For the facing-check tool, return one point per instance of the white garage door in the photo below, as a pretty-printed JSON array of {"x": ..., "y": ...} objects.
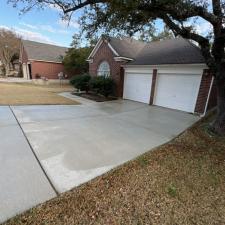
[
  {"x": 177, "y": 91},
  {"x": 137, "y": 87}
]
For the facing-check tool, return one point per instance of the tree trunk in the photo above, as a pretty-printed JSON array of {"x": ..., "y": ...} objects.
[
  {"x": 218, "y": 125},
  {"x": 7, "y": 70}
]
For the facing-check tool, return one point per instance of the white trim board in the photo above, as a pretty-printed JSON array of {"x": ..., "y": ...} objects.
[
  {"x": 113, "y": 50},
  {"x": 95, "y": 49},
  {"x": 39, "y": 60},
  {"x": 182, "y": 69},
  {"x": 121, "y": 58},
  {"x": 97, "y": 46},
  {"x": 209, "y": 93}
]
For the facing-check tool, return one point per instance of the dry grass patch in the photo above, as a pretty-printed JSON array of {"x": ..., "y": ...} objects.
[
  {"x": 182, "y": 182},
  {"x": 31, "y": 94}
]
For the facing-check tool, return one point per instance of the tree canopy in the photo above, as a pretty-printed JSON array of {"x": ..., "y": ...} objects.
[
  {"x": 9, "y": 48},
  {"x": 132, "y": 16},
  {"x": 75, "y": 60}
]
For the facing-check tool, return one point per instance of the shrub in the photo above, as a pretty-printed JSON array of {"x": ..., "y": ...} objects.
[
  {"x": 103, "y": 85},
  {"x": 96, "y": 84},
  {"x": 37, "y": 76},
  {"x": 81, "y": 82}
]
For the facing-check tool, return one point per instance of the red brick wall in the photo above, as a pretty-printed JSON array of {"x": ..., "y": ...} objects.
[
  {"x": 46, "y": 69},
  {"x": 213, "y": 97},
  {"x": 23, "y": 55},
  {"x": 203, "y": 92},
  {"x": 104, "y": 53}
]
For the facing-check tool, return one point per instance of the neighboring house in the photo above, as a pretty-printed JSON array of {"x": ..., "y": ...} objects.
[
  {"x": 16, "y": 65},
  {"x": 1, "y": 69},
  {"x": 41, "y": 60},
  {"x": 170, "y": 73}
]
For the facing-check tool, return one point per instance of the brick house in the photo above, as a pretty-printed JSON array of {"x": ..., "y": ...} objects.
[
  {"x": 41, "y": 60},
  {"x": 170, "y": 73}
]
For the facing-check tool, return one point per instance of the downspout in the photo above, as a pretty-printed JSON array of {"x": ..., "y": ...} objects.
[{"x": 207, "y": 101}]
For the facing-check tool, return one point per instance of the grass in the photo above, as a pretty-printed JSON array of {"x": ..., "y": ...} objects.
[
  {"x": 31, "y": 94},
  {"x": 182, "y": 182}
]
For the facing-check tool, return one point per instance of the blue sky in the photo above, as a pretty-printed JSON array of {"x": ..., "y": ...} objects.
[
  {"x": 46, "y": 25},
  {"x": 38, "y": 25}
]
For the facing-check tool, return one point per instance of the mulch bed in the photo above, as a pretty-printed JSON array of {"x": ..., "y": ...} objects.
[
  {"x": 95, "y": 97},
  {"x": 182, "y": 182}
]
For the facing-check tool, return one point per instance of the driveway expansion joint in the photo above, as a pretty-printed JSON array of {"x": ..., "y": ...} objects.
[{"x": 31, "y": 148}]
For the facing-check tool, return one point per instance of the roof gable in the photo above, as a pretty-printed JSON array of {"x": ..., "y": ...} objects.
[
  {"x": 123, "y": 48},
  {"x": 97, "y": 46},
  {"x": 44, "y": 52},
  {"x": 170, "y": 51},
  {"x": 127, "y": 47}
]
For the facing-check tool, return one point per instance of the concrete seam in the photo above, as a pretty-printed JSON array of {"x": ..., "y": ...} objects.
[{"x": 51, "y": 184}]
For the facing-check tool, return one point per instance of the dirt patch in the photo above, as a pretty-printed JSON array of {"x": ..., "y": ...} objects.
[
  {"x": 31, "y": 94},
  {"x": 95, "y": 97},
  {"x": 182, "y": 182}
]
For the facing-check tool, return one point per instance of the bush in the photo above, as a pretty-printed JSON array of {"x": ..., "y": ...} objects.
[
  {"x": 103, "y": 85},
  {"x": 37, "y": 76},
  {"x": 81, "y": 82},
  {"x": 96, "y": 84}
]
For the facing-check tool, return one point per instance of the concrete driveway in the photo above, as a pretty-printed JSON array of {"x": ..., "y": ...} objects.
[
  {"x": 23, "y": 184},
  {"x": 75, "y": 144}
]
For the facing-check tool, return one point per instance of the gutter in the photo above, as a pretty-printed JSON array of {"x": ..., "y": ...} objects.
[
  {"x": 164, "y": 65},
  {"x": 39, "y": 60},
  {"x": 207, "y": 101}
]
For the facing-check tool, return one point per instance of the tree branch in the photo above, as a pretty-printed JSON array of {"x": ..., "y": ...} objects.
[
  {"x": 183, "y": 14},
  {"x": 67, "y": 8},
  {"x": 187, "y": 34},
  {"x": 216, "y": 4}
]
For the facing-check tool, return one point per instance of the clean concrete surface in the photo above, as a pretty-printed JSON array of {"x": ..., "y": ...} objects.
[
  {"x": 22, "y": 182},
  {"x": 77, "y": 143}
]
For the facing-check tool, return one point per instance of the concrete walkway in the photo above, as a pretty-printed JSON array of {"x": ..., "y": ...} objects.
[
  {"x": 22, "y": 182},
  {"x": 74, "y": 144}
]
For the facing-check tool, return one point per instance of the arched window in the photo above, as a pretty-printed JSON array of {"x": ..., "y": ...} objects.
[{"x": 104, "y": 69}]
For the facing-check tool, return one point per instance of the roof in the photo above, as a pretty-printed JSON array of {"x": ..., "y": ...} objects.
[
  {"x": 44, "y": 52},
  {"x": 170, "y": 51},
  {"x": 127, "y": 47}
]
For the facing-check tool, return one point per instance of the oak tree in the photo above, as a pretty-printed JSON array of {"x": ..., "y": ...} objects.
[{"x": 9, "y": 48}]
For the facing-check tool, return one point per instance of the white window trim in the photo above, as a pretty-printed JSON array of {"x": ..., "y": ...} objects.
[{"x": 102, "y": 72}]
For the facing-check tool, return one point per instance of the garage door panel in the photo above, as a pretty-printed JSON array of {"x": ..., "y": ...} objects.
[
  {"x": 177, "y": 91},
  {"x": 137, "y": 87}
]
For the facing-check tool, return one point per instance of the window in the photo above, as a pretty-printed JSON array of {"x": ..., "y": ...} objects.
[{"x": 104, "y": 69}]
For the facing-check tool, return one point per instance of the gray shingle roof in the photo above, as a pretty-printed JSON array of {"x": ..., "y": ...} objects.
[
  {"x": 44, "y": 52},
  {"x": 170, "y": 51},
  {"x": 127, "y": 47}
]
